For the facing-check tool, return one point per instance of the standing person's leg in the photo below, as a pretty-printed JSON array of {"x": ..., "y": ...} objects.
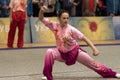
[
  {"x": 21, "y": 30},
  {"x": 12, "y": 31},
  {"x": 50, "y": 55},
  {"x": 102, "y": 70}
]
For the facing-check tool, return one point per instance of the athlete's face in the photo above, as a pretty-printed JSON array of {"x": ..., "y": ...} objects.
[{"x": 64, "y": 18}]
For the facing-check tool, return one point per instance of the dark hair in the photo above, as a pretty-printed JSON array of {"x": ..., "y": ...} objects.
[{"x": 61, "y": 12}]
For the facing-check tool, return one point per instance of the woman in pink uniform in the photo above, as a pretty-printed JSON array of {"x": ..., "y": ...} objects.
[
  {"x": 68, "y": 50},
  {"x": 17, "y": 19}
]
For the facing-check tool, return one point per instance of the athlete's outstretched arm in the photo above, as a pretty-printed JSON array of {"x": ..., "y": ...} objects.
[{"x": 41, "y": 13}]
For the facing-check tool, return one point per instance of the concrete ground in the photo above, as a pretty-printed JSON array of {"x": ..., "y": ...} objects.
[{"x": 27, "y": 64}]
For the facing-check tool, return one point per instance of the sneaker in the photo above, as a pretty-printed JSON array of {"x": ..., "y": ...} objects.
[
  {"x": 117, "y": 75},
  {"x": 44, "y": 78}
]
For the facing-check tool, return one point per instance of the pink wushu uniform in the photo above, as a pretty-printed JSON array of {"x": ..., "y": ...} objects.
[{"x": 68, "y": 51}]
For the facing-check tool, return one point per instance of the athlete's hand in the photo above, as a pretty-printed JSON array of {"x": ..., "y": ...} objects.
[
  {"x": 43, "y": 8},
  {"x": 95, "y": 52}
]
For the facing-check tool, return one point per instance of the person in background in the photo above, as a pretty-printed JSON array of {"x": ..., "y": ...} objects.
[
  {"x": 89, "y": 7},
  {"x": 118, "y": 7},
  {"x": 18, "y": 17},
  {"x": 57, "y": 6},
  {"x": 5, "y": 10},
  {"x": 0, "y": 8},
  {"x": 101, "y": 9},
  {"x": 67, "y": 48},
  {"x": 29, "y": 8},
  {"x": 69, "y": 5},
  {"x": 36, "y": 8},
  {"x": 113, "y": 7},
  {"x": 79, "y": 7}
]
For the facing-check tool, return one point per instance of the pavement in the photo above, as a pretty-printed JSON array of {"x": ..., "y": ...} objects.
[{"x": 27, "y": 64}]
